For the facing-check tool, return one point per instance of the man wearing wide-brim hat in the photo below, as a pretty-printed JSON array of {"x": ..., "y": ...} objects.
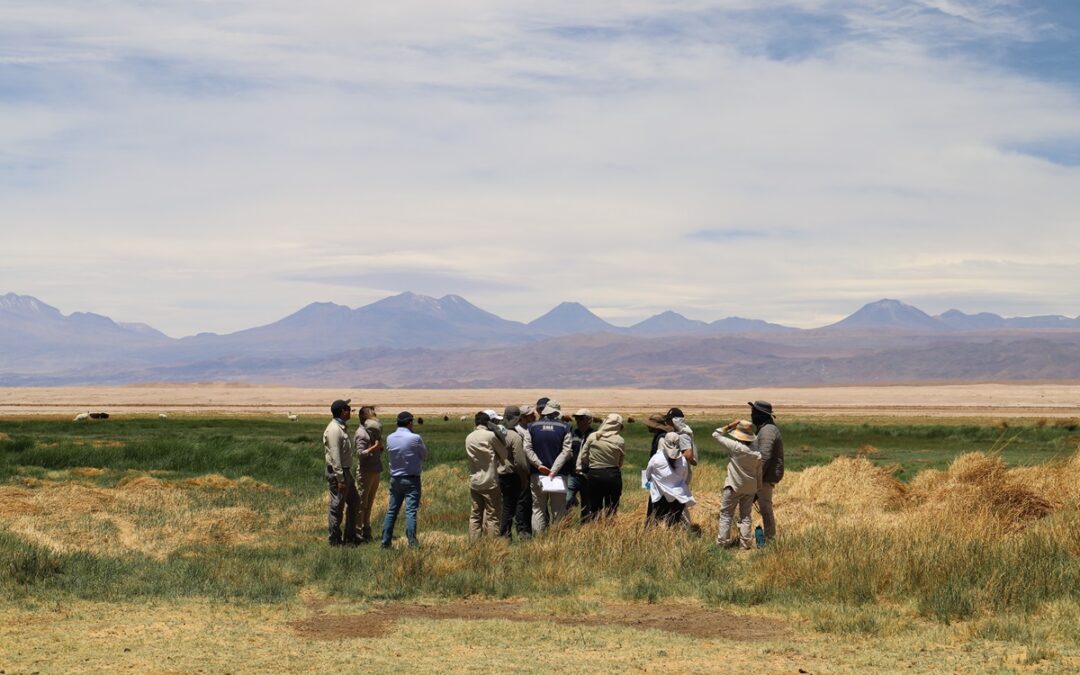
[
  {"x": 771, "y": 447},
  {"x": 740, "y": 487}
]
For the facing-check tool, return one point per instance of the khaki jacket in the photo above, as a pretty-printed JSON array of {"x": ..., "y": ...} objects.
[
  {"x": 516, "y": 462},
  {"x": 485, "y": 453},
  {"x": 601, "y": 453},
  {"x": 744, "y": 467},
  {"x": 338, "y": 446}
]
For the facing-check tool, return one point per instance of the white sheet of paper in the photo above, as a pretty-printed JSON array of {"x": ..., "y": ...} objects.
[
  {"x": 644, "y": 481},
  {"x": 553, "y": 483}
]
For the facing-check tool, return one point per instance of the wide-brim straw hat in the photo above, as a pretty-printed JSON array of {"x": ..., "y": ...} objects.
[
  {"x": 744, "y": 431},
  {"x": 657, "y": 422}
]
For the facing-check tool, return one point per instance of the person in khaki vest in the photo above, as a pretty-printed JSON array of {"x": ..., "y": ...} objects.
[{"x": 485, "y": 449}]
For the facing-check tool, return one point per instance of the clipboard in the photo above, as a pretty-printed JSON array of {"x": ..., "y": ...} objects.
[{"x": 553, "y": 483}]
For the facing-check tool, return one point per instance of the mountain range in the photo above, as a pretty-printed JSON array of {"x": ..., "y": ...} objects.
[{"x": 416, "y": 340}]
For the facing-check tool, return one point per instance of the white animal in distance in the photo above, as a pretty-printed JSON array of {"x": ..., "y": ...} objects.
[
  {"x": 82, "y": 416},
  {"x": 292, "y": 417}
]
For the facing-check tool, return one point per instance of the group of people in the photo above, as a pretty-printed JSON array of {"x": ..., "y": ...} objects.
[{"x": 529, "y": 466}]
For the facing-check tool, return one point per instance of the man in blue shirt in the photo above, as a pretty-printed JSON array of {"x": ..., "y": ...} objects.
[
  {"x": 549, "y": 451},
  {"x": 406, "y": 452}
]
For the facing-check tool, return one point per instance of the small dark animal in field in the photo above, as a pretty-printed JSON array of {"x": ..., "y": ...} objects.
[
  {"x": 630, "y": 420},
  {"x": 445, "y": 418},
  {"x": 99, "y": 416},
  {"x": 420, "y": 421},
  {"x": 567, "y": 418}
]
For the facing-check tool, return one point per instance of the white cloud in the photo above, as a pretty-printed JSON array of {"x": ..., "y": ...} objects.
[{"x": 184, "y": 163}]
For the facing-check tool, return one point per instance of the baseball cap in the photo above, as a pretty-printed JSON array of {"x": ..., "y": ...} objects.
[
  {"x": 404, "y": 417},
  {"x": 551, "y": 407},
  {"x": 338, "y": 406},
  {"x": 493, "y": 416},
  {"x": 583, "y": 412}
]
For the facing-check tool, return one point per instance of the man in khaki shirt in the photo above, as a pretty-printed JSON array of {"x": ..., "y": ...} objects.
[
  {"x": 513, "y": 475},
  {"x": 338, "y": 447},
  {"x": 485, "y": 448}
]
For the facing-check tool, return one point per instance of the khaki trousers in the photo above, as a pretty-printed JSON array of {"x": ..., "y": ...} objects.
[
  {"x": 486, "y": 509},
  {"x": 368, "y": 486},
  {"x": 727, "y": 510},
  {"x": 542, "y": 503}
]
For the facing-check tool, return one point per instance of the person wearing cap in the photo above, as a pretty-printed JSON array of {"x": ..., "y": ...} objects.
[
  {"x": 514, "y": 475},
  {"x": 485, "y": 449},
  {"x": 576, "y": 483},
  {"x": 548, "y": 448},
  {"x": 666, "y": 473},
  {"x": 523, "y": 510},
  {"x": 601, "y": 460},
  {"x": 369, "y": 451},
  {"x": 406, "y": 452},
  {"x": 740, "y": 487},
  {"x": 338, "y": 449},
  {"x": 771, "y": 447}
]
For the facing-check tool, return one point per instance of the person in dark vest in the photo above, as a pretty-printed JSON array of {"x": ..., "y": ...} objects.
[
  {"x": 771, "y": 447},
  {"x": 548, "y": 448}
]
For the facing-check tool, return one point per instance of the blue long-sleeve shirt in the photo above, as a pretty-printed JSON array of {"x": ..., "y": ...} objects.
[{"x": 406, "y": 451}]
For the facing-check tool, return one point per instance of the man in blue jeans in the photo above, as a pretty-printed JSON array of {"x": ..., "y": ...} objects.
[{"x": 406, "y": 452}]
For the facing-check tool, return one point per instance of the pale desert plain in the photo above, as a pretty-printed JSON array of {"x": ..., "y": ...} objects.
[{"x": 1038, "y": 399}]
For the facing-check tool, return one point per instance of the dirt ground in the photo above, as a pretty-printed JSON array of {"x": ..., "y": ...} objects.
[
  {"x": 201, "y": 636},
  {"x": 691, "y": 620},
  {"x": 1055, "y": 399}
]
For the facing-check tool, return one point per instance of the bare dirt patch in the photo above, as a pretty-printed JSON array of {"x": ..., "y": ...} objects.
[{"x": 687, "y": 620}]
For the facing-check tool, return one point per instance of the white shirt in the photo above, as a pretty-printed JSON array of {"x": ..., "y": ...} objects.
[{"x": 668, "y": 481}]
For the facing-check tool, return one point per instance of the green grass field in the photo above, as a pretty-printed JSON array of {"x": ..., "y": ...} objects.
[{"x": 211, "y": 510}]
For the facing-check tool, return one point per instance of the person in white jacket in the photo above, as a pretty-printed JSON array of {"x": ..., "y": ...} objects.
[
  {"x": 666, "y": 474},
  {"x": 743, "y": 473}
]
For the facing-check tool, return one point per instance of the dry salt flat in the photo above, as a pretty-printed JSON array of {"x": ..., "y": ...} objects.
[{"x": 1038, "y": 399}]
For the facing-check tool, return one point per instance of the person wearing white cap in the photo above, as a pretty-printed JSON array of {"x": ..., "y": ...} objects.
[
  {"x": 741, "y": 484},
  {"x": 485, "y": 449},
  {"x": 548, "y": 447},
  {"x": 666, "y": 474},
  {"x": 577, "y": 482}
]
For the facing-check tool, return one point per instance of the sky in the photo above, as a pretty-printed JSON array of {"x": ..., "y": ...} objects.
[{"x": 215, "y": 165}]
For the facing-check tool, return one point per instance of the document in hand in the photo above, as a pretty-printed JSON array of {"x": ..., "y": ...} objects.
[
  {"x": 645, "y": 482},
  {"x": 553, "y": 483}
]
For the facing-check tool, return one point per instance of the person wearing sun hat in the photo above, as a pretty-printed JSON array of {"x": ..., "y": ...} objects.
[
  {"x": 771, "y": 446},
  {"x": 740, "y": 486},
  {"x": 666, "y": 473},
  {"x": 577, "y": 483}
]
